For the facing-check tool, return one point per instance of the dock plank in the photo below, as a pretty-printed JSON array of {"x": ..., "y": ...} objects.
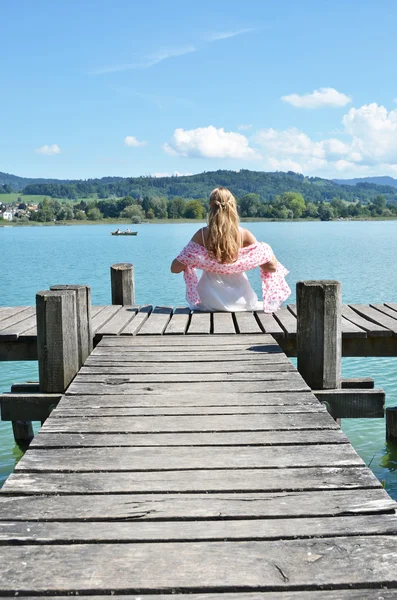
[
  {"x": 103, "y": 316},
  {"x": 86, "y": 460},
  {"x": 270, "y": 325},
  {"x": 217, "y": 438},
  {"x": 157, "y": 322},
  {"x": 133, "y": 327},
  {"x": 116, "y": 324},
  {"x": 349, "y": 329},
  {"x": 199, "y": 506},
  {"x": 179, "y": 322},
  {"x": 247, "y": 323},
  {"x": 197, "y": 423},
  {"x": 199, "y": 480},
  {"x": 371, "y": 328},
  {"x": 287, "y": 321},
  {"x": 200, "y": 323},
  {"x": 223, "y": 323},
  {"x": 375, "y": 316}
]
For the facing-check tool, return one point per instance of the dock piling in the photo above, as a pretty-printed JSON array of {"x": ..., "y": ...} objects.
[
  {"x": 57, "y": 341},
  {"x": 122, "y": 282},
  {"x": 83, "y": 311},
  {"x": 319, "y": 333}
]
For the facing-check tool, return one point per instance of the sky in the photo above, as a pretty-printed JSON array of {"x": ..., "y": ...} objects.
[{"x": 95, "y": 88}]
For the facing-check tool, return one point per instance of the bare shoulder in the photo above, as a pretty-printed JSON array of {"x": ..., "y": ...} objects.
[
  {"x": 198, "y": 236},
  {"x": 248, "y": 237}
]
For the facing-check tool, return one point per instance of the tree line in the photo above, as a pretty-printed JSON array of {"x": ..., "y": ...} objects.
[
  {"x": 266, "y": 185},
  {"x": 288, "y": 205}
]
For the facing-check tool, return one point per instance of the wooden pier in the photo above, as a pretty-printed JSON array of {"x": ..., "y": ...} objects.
[
  {"x": 185, "y": 456},
  {"x": 195, "y": 467},
  {"x": 367, "y": 330}
]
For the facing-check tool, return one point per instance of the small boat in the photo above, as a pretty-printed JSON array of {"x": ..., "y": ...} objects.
[{"x": 124, "y": 232}]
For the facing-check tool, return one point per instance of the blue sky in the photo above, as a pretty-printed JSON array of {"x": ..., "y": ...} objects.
[{"x": 97, "y": 87}]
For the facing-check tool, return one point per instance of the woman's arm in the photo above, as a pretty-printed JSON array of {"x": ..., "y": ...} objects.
[
  {"x": 177, "y": 267},
  {"x": 248, "y": 239}
]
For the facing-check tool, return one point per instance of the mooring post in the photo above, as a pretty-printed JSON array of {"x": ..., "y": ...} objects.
[
  {"x": 83, "y": 311},
  {"x": 391, "y": 424},
  {"x": 122, "y": 280},
  {"x": 23, "y": 433},
  {"x": 319, "y": 333},
  {"x": 57, "y": 344}
]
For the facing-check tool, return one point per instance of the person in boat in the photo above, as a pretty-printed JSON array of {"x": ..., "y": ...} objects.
[
  {"x": 127, "y": 231},
  {"x": 118, "y": 230},
  {"x": 224, "y": 251}
]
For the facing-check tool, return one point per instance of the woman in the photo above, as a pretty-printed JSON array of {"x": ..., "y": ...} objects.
[{"x": 223, "y": 251}]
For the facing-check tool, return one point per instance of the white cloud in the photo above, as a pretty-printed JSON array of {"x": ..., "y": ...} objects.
[
  {"x": 209, "y": 142},
  {"x": 49, "y": 150},
  {"x": 323, "y": 97},
  {"x": 130, "y": 140},
  {"x": 369, "y": 146},
  {"x": 244, "y": 127},
  {"x": 147, "y": 61},
  {"x": 223, "y": 35}
]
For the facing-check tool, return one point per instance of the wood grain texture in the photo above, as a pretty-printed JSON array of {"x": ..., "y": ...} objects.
[
  {"x": 199, "y": 506},
  {"x": 199, "y": 480},
  {"x": 205, "y": 566},
  {"x": 179, "y": 322},
  {"x": 157, "y": 322}
]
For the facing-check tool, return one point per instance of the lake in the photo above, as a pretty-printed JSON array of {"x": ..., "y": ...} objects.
[{"x": 359, "y": 254}]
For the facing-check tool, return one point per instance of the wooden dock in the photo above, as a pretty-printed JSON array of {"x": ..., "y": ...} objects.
[
  {"x": 367, "y": 330},
  {"x": 197, "y": 467}
]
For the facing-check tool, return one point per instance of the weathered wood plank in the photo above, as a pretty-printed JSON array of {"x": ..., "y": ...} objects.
[
  {"x": 345, "y": 594},
  {"x": 116, "y": 324},
  {"x": 383, "y": 308},
  {"x": 102, "y": 317},
  {"x": 9, "y": 311},
  {"x": 27, "y": 407},
  {"x": 86, "y": 460},
  {"x": 132, "y": 328},
  {"x": 26, "y": 328},
  {"x": 104, "y": 356},
  {"x": 287, "y": 321},
  {"x": 184, "y": 410},
  {"x": 200, "y": 323},
  {"x": 191, "y": 424},
  {"x": 371, "y": 328},
  {"x": 210, "y": 398},
  {"x": 204, "y": 566},
  {"x": 269, "y": 324},
  {"x": 223, "y": 323},
  {"x": 258, "y": 529},
  {"x": 179, "y": 321},
  {"x": 289, "y": 376},
  {"x": 351, "y": 403},
  {"x": 247, "y": 323},
  {"x": 189, "y": 342},
  {"x": 190, "y": 387},
  {"x": 11, "y": 327},
  {"x": 211, "y": 352},
  {"x": 157, "y": 321},
  {"x": 216, "y": 438},
  {"x": 162, "y": 507},
  {"x": 186, "y": 368},
  {"x": 377, "y": 317},
  {"x": 348, "y": 328},
  {"x": 230, "y": 481},
  {"x": 392, "y": 305}
]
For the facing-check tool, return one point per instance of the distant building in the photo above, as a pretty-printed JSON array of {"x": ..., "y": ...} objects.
[{"x": 8, "y": 215}]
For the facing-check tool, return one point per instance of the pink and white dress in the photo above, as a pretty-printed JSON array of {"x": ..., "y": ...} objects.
[{"x": 225, "y": 287}]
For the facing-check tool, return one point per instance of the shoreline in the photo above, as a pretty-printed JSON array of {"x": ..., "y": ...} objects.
[{"x": 181, "y": 221}]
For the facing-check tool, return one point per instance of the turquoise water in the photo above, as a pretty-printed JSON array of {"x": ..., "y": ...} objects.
[{"x": 359, "y": 254}]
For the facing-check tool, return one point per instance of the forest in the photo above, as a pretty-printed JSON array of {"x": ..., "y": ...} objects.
[{"x": 266, "y": 185}]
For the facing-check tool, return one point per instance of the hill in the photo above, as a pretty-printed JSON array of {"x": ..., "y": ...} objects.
[
  {"x": 266, "y": 185},
  {"x": 384, "y": 180}
]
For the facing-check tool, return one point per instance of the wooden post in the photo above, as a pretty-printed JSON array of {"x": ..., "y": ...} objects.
[
  {"x": 122, "y": 280},
  {"x": 23, "y": 433},
  {"x": 83, "y": 310},
  {"x": 57, "y": 345},
  {"x": 391, "y": 424},
  {"x": 319, "y": 333}
]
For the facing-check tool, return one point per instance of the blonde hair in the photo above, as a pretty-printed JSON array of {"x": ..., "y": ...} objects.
[{"x": 223, "y": 241}]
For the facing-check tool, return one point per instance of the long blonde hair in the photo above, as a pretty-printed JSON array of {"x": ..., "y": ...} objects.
[{"x": 223, "y": 241}]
